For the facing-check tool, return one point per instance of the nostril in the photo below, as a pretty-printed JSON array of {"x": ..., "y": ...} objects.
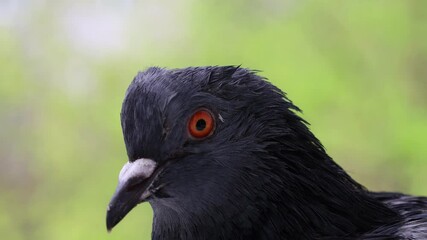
[{"x": 135, "y": 184}]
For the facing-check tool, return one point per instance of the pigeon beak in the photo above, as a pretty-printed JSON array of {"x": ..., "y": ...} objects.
[{"x": 134, "y": 181}]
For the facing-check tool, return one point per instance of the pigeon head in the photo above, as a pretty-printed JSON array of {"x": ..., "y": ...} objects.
[{"x": 219, "y": 151}]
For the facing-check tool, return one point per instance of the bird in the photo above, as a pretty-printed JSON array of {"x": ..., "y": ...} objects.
[{"x": 219, "y": 152}]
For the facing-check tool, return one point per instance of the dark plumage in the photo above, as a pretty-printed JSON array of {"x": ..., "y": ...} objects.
[{"x": 261, "y": 173}]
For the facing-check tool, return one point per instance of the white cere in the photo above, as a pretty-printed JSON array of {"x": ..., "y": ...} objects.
[{"x": 142, "y": 167}]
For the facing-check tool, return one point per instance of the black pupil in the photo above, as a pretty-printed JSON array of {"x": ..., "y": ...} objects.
[{"x": 200, "y": 125}]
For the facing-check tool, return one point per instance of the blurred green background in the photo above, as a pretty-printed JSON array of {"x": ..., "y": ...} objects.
[{"x": 358, "y": 69}]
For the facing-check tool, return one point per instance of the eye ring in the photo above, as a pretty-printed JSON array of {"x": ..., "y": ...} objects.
[{"x": 201, "y": 124}]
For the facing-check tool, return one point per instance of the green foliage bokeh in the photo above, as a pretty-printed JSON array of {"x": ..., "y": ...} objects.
[{"x": 358, "y": 69}]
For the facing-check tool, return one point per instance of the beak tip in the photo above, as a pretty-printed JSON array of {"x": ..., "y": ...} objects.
[
  {"x": 110, "y": 226},
  {"x": 110, "y": 223}
]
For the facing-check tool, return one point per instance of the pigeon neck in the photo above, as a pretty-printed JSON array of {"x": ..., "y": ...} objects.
[
  {"x": 234, "y": 222},
  {"x": 275, "y": 214}
]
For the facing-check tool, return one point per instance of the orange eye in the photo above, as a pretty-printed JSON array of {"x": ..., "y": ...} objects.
[{"x": 201, "y": 124}]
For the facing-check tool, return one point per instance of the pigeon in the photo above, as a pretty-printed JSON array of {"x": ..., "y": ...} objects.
[{"x": 221, "y": 153}]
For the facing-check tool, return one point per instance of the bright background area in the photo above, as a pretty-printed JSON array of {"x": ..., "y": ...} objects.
[{"x": 358, "y": 69}]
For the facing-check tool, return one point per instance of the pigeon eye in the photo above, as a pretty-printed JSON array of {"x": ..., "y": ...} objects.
[{"x": 201, "y": 124}]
